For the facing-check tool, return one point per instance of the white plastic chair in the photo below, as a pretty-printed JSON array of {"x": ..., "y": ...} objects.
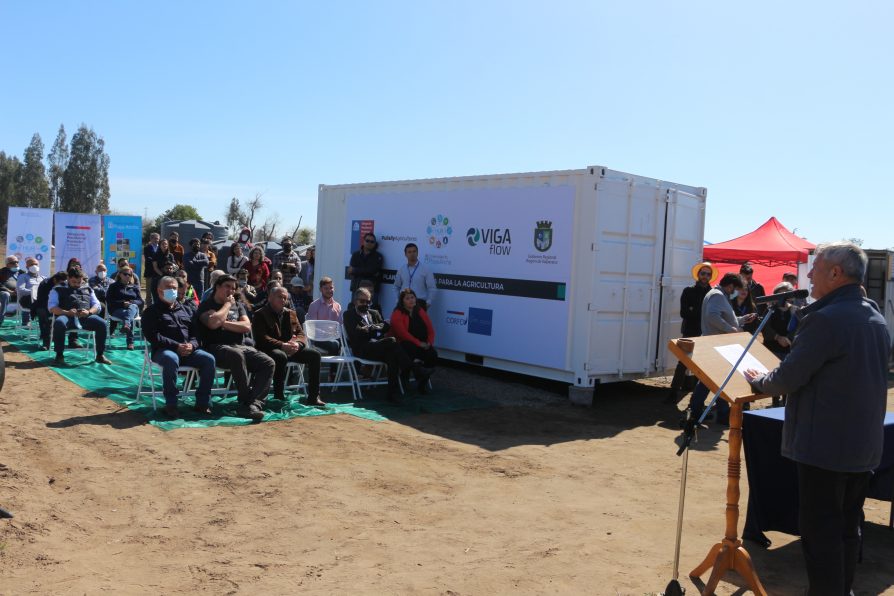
[
  {"x": 378, "y": 367},
  {"x": 151, "y": 369},
  {"x": 332, "y": 331}
]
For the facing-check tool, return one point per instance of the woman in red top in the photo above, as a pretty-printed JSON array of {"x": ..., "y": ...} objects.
[
  {"x": 258, "y": 271},
  {"x": 413, "y": 329}
]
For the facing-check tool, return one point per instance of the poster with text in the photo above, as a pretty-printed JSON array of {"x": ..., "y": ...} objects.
[
  {"x": 78, "y": 236},
  {"x": 122, "y": 238},
  {"x": 501, "y": 258},
  {"x": 29, "y": 233}
]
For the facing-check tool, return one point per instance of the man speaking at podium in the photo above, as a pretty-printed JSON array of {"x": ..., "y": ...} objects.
[{"x": 836, "y": 380}]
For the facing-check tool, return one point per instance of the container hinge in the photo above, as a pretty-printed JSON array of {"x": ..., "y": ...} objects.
[
  {"x": 665, "y": 281},
  {"x": 586, "y": 366},
  {"x": 593, "y": 247}
]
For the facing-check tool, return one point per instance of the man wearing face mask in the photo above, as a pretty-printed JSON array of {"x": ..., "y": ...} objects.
[
  {"x": 100, "y": 283},
  {"x": 718, "y": 318},
  {"x": 26, "y": 288},
  {"x": 76, "y": 307},
  {"x": 168, "y": 327},
  {"x": 287, "y": 257},
  {"x": 8, "y": 279}
]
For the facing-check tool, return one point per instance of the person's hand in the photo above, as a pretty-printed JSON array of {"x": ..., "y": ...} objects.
[
  {"x": 290, "y": 348},
  {"x": 184, "y": 349},
  {"x": 749, "y": 317},
  {"x": 126, "y": 303},
  {"x": 82, "y": 312},
  {"x": 424, "y": 345},
  {"x": 783, "y": 341},
  {"x": 751, "y": 374},
  {"x": 231, "y": 300}
]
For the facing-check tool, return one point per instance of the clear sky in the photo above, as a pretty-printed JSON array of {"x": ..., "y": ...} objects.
[{"x": 778, "y": 108}]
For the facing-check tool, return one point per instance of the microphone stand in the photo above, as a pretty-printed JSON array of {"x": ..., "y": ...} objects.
[{"x": 689, "y": 431}]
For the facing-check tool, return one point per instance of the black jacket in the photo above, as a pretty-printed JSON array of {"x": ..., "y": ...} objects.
[
  {"x": 691, "y": 309},
  {"x": 359, "y": 333},
  {"x": 164, "y": 326}
]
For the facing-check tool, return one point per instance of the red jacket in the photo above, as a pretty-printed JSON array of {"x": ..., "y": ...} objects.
[{"x": 400, "y": 326}]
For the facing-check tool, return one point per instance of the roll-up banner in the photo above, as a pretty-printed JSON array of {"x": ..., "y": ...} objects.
[
  {"x": 78, "y": 236},
  {"x": 29, "y": 233},
  {"x": 501, "y": 259},
  {"x": 122, "y": 235}
]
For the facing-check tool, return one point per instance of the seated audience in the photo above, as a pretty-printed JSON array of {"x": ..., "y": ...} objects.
[
  {"x": 258, "y": 269},
  {"x": 75, "y": 307},
  {"x": 278, "y": 334},
  {"x": 222, "y": 330},
  {"x": 8, "y": 280},
  {"x": 100, "y": 283},
  {"x": 190, "y": 304},
  {"x": 125, "y": 301},
  {"x": 169, "y": 329},
  {"x": 236, "y": 260},
  {"x": 366, "y": 332},
  {"x": 412, "y": 327}
]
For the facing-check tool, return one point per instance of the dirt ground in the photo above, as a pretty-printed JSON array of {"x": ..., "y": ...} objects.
[{"x": 541, "y": 497}]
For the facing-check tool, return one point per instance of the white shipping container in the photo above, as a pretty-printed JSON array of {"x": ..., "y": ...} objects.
[{"x": 570, "y": 275}]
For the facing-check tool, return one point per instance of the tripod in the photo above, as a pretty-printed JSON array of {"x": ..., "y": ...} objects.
[{"x": 729, "y": 553}]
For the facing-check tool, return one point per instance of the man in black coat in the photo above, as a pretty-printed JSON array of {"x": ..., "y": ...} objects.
[
  {"x": 366, "y": 335},
  {"x": 366, "y": 265}
]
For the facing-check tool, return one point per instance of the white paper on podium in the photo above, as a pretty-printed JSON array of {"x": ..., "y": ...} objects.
[{"x": 732, "y": 353}]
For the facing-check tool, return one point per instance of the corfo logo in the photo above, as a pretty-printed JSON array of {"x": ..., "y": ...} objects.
[
  {"x": 499, "y": 239},
  {"x": 439, "y": 231},
  {"x": 456, "y": 317}
]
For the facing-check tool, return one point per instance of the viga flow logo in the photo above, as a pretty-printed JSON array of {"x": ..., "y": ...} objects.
[
  {"x": 439, "y": 231},
  {"x": 499, "y": 239}
]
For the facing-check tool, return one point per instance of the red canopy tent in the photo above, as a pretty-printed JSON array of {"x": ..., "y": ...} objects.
[{"x": 771, "y": 249}]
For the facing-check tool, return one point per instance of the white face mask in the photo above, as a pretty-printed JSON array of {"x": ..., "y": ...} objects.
[
  {"x": 101, "y": 274},
  {"x": 34, "y": 269}
]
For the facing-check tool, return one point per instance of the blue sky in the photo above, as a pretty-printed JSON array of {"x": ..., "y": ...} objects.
[{"x": 780, "y": 108}]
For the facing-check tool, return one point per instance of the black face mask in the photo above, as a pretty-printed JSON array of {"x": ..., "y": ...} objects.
[
  {"x": 172, "y": 242},
  {"x": 364, "y": 308},
  {"x": 287, "y": 247}
]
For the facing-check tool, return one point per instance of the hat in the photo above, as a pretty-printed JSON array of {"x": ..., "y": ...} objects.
[{"x": 698, "y": 267}]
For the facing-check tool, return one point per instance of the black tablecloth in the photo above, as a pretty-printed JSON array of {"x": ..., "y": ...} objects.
[{"x": 773, "y": 479}]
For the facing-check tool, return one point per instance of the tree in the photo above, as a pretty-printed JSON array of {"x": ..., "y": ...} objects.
[
  {"x": 34, "y": 189},
  {"x": 58, "y": 162},
  {"x": 304, "y": 236},
  {"x": 10, "y": 176},
  {"x": 857, "y": 241},
  {"x": 239, "y": 217},
  {"x": 85, "y": 182}
]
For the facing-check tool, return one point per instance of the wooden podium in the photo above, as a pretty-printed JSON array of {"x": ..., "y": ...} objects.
[{"x": 711, "y": 368}]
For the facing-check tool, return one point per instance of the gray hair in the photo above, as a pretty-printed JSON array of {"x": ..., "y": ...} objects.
[
  {"x": 783, "y": 287},
  {"x": 278, "y": 290},
  {"x": 846, "y": 255},
  {"x": 362, "y": 292},
  {"x": 215, "y": 274},
  {"x": 167, "y": 279}
]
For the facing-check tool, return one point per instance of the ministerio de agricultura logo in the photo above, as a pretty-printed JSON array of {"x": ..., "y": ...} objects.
[{"x": 439, "y": 231}]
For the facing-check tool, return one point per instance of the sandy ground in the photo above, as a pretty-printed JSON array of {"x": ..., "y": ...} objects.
[{"x": 534, "y": 497}]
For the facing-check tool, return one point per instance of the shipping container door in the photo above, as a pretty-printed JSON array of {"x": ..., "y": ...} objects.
[
  {"x": 683, "y": 249},
  {"x": 629, "y": 235}
]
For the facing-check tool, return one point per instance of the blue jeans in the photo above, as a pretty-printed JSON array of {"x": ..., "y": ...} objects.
[
  {"x": 127, "y": 315},
  {"x": 93, "y": 323},
  {"x": 170, "y": 361}
]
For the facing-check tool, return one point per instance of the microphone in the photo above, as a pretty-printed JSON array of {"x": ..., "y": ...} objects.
[{"x": 782, "y": 297}]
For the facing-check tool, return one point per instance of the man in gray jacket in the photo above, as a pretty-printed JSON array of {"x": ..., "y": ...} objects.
[{"x": 836, "y": 380}]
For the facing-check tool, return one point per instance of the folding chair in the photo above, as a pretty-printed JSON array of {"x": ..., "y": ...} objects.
[
  {"x": 151, "y": 369},
  {"x": 292, "y": 369},
  {"x": 22, "y": 329},
  {"x": 332, "y": 331},
  {"x": 378, "y": 367},
  {"x": 90, "y": 338},
  {"x": 137, "y": 323}
]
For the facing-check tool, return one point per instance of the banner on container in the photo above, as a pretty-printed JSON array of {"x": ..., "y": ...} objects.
[
  {"x": 78, "y": 236},
  {"x": 122, "y": 238},
  {"x": 29, "y": 233},
  {"x": 501, "y": 258}
]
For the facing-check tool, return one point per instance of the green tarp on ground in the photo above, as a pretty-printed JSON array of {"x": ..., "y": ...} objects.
[{"x": 119, "y": 381}]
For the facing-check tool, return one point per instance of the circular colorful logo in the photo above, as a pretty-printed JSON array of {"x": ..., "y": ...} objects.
[{"x": 439, "y": 230}]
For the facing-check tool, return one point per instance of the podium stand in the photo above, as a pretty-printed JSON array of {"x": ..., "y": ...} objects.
[{"x": 711, "y": 368}]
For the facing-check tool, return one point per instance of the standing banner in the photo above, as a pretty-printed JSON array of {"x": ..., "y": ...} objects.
[
  {"x": 501, "y": 259},
  {"x": 121, "y": 237},
  {"x": 28, "y": 234},
  {"x": 78, "y": 236}
]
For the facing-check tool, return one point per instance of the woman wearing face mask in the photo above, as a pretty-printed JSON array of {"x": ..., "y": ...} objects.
[{"x": 125, "y": 301}]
